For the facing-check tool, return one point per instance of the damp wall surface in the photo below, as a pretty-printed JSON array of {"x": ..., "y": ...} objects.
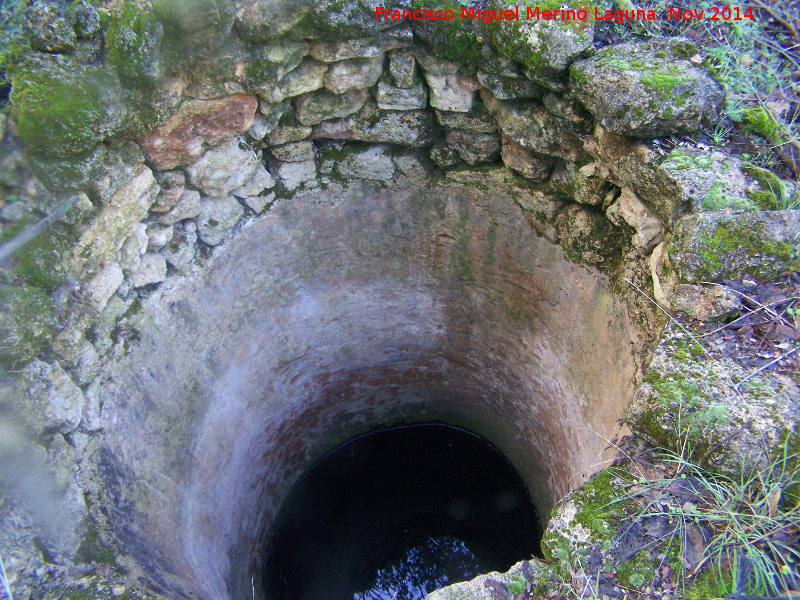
[{"x": 338, "y": 313}]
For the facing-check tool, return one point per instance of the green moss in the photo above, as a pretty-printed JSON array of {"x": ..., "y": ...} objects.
[
  {"x": 26, "y": 324},
  {"x": 749, "y": 238},
  {"x": 759, "y": 122},
  {"x": 637, "y": 570},
  {"x": 65, "y": 114},
  {"x": 707, "y": 584},
  {"x": 517, "y": 585},
  {"x": 771, "y": 195},
  {"x": 716, "y": 199},
  {"x": 133, "y": 39},
  {"x": 92, "y": 549},
  {"x": 39, "y": 262},
  {"x": 662, "y": 85}
]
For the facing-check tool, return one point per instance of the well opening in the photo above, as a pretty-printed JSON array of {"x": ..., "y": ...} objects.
[{"x": 341, "y": 312}]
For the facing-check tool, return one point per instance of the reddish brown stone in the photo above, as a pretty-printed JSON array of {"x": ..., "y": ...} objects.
[{"x": 196, "y": 126}]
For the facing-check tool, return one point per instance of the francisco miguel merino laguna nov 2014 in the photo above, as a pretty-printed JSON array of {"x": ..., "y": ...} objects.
[{"x": 565, "y": 13}]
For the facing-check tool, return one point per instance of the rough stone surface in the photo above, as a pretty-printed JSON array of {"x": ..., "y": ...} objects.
[
  {"x": 354, "y": 74},
  {"x": 56, "y": 400},
  {"x": 49, "y": 28},
  {"x": 444, "y": 156},
  {"x": 198, "y": 125},
  {"x": 403, "y": 68},
  {"x": 713, "y": 246},
  {"x": 705, "y": 302},
  {"x": 697, "y": 391},
  {"x": 374, "y": 164},
  {"x": 628, "y": 208},
  {"x": 415, "y": 128},
  {"x": 307, "y": 77},
  {"x": 533, "y": 127},
  {"x": 223, "y": 169},
  {"x": 579, "y": 183},
  {"x": 540, "y": 44},
  {"x": 172, "y": 184},
  {"x": 451, "y": 92},
  {"x": 360, "y": 48},
  {"x": 294, "y": 174},
  {"x": 391, "y": 97},
  {"x": 106, "y": 233},
  {"x": 259, "y": 203},
  {"x": 294, "y": 151},
  {"x": 494, "y": 585},
  {"x": 152, "y": 269},
  {"x": 217, "y": 218},
  {"x": 474, "y": 148},
  {"x": 509, "y": 88},
  {"x": 643, "y": 89},
  {"x": 286, "y": 134},
  {"x": 270, "y": 63},
  {"x": 158, "y": 236},
  {"x": 319, "y": 106},
  {"x": 527, "y": 163},
  {"x": 130, "y": 254},
  {"x": 119, "y": 167},
  {"x": 99, "y": 288},
  {"x": 179, "y": 253},
  {"x": 77, "y": 172},
  {"x": 187, "y": 207},
  {"x": 478, "y": 120},
  {"x": 260, "y": 181}
]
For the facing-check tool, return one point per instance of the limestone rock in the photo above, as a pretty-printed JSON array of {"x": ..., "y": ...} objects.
[
  {"x": 198, "y": 124},
  {"x": 130, "y": 254},
  {"x": 26, "y": 324},
  {"x": 49, "y": 28},
  {"x": 334, "y": 20},
  {"x": 533, "y": 127},
  {"x": 402, "y": 68},
  {"x": 579, "y": 183},
  {"x": 720, "y": 245},
  {"x": 294, "y": 152},
  {"x": 493, "y": 585},
  {"x": 260, "y": 181},
  {"x": 374, "y": 164},
  {"x": 273, "y": 113},
  {"x": 452, "y": 92},
  {"x": 474, "y": 148},
  {"x": 478, "y": 120},
  {"x": 119, "y": 167},
  {"x": 271, "y": 63},
  {"x": 354, "y": 74},
  {"x": 740, "y": 426},
  {"x": 705, "y": 302},
  {"x": 571, "y": 112},
  {"x": 152, "y": 269},
  {"x": 172, "y": 184},
  {"x": 158, "y": 236},
  {"x": 549, "y": 45},
  {"x": 444, "y": 156},
  {"x": 260, "y": 129},
  {"x": 187, "y": 207},
  {"x": 415, "y": 128},
  {"x": 286, "y": 134},
  {"x": 509, "y": 88},
  {"x": 294, "y": 174},
  {"x": 73, "y": 173},
  {"x": 527, "y": 163},
  {"x": 334, "y": 51},
  {"x": 307, "y": 77},
  {"x": 107, "y": 232},
  {"x": 260, "y": 21},
  {"x": 179, "y": 253},
  {"x": 643, "y": 89},
  {"x": 63, "y": 108},
  {"x": 99, "y": 288},
  {"x": 217, "y": 218},
  {"x": 218, "y": 76},
  {"x": 57, "y": 400},
  {"x": 79, "y": 211},
  {"x": 587, "y": 234},
  {"x": 628, "y": 208},
  {"x": 223, "y": 169},
  {"x": 259, "y": 203},
  {"x": 319, "y": 106},
  {"x": 412, "y": 97}
]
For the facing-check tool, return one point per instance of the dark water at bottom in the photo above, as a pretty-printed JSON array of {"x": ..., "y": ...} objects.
[{"x": 399, "y": 513}]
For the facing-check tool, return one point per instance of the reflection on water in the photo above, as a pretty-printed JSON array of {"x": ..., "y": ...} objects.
[
  {"x": 397, "y": 514},
  {"x": 423, "y": 568}
]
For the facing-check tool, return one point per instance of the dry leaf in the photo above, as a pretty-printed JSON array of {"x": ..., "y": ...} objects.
[{"x": 772, "y": 502}]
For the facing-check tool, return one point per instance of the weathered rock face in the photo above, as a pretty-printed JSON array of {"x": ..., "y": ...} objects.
[{"x": 642, "y": 90}]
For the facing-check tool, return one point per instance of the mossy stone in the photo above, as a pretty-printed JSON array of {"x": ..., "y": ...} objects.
[
  {"x": 63, "y": 109},
  {"x": 39, "y": 262},
  {"x": 25, "y": 324},
  {"x": 67, "y": 174},
  {"x": 133, "y": 40}
]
